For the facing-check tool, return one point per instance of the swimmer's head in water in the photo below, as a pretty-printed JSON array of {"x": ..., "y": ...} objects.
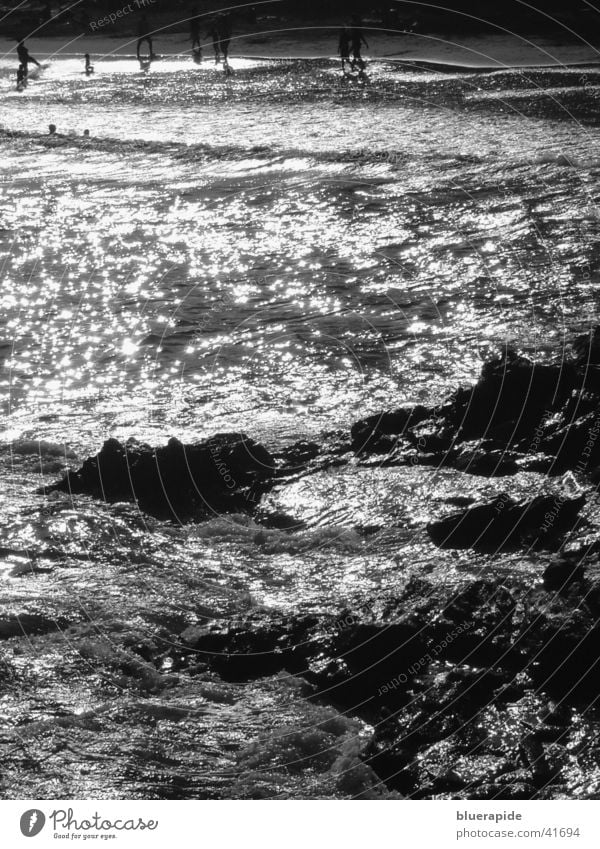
[
  {"x": 52, "y": 129},
  {"x": 86, "y": 133}
]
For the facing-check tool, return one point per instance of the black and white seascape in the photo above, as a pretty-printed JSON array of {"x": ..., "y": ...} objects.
[{"x": 300, "y": 386}]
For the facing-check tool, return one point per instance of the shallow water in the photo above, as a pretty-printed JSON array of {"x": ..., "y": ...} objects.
[{"x": 279, "y": 252}]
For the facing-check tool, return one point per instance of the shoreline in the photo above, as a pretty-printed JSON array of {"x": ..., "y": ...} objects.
[{"x": 477, "y": 53}]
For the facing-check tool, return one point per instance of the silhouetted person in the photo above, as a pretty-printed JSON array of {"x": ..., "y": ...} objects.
[
  {"x": 89, "y": 68},
  {"x": 144, "y": 36},
  {"x": 344, "y": 47},
  {"x": 357, "y": 38},
  {"x": 195, "y": 29},
  {"x": 52, "y": 129},
  {"x": 224, "y": 29},
  {"x": 86, "y": 134},
  {"x": 24, "y": 57},
  {"x": 213, "y": 34},
  {"x": 21, "y": 78}
]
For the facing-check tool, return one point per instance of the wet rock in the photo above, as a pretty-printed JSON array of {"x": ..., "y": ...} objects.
[
  {"x": 544, "y": 762},
  {"x": 489, "y": 462},
  {"x": 429, "y": 437},
  {"x": 515, "y": 784},
  {"x": 520, "y": 415},
  {"x": 592, "y": 598},
  {"x": 512, "y": 392},
  {"x": 28, "y": 624},
  {"x": 567, "y": 658},
  {"x": 255, "y": 646},
  {"x": 229, "y": 471},
  {"x": 295, "y": 457},
  {"x": 277, "y": 520},
  {"x": 562, "y": 572},
  {"x": 505, "y": 524},
  {"x": 368, "y": 663},
  {"x": 449, "y": 677},
  {"x": 586, "y": 348},
  {"x": 576, "y": 445},
  {"x": 379, "y": 433}
]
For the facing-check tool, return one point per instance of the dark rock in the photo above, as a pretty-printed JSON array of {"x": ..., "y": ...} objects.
[
  {"x": 375, "y": 432},
  {"x": 586, "y": 348},
  {"x": 229, "y": 471},
  {"x": 295, "y": 457},
  {"x": 368, "y": 663},
  {"x": 278, "y": 521},
  {"x": 520, "y": 415},
  {"x": 445, "y": 675},
  {"x": 592, "y": 598},
  {"x": 253, "y": 647},
  {"x": 460, "y": 500},
  {"x": 512, "y": 392},
  {"x": 566, "y": 656},
  {"x": 516, "y": 784},
  {"x": 28, "y": 624},
  {"x": 561, "y": 573},
  {"x": 505, "y": 524},
  {"x": 576, "y": 446},
  {"x": 479, "y": 460}
]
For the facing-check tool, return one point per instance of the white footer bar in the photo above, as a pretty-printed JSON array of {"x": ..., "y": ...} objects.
[{"x": 300, "y": 825}]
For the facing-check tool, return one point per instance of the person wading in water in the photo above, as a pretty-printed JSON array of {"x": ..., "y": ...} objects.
[
  {"x": 24, "y": 56},
  {"x": 357, "y": 38},
  {"x": 144, "y": 35},
  {"x": 344, "y": 47}
]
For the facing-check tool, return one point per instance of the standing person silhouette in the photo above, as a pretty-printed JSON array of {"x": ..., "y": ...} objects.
[
  {"x": 195, "y": 29},
  {"x": 214, "y": 35},
  {"x": 357, "y": 38},
  {"x": 224, "y": 28},
  {"x": 344, "y": 47},
  {"x": 144, "y": 35},
  {"x": 24, "y": 56}
]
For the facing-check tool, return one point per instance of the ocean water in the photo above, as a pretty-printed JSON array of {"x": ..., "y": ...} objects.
[{"x": 281, "y": 251}]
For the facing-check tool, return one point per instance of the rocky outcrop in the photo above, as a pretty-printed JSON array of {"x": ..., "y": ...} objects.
[
  {"x": 229, "y": 471},
  {"x": 475, "y": 691},
  {"x": 504, "y": 524},
  {"x": 521, "y": 415}
]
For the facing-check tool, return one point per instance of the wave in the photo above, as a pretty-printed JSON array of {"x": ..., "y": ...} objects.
[
  {"x": 385, "y": 163},
  {"x": 566, "y": 160},
  {"x": 41, "y": 448},
  {"x": 243, "y": 529},
  {"x": 257, "y": 155}
]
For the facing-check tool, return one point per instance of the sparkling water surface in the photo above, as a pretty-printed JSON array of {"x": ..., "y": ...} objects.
[{"x": 281, "y": 251}]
